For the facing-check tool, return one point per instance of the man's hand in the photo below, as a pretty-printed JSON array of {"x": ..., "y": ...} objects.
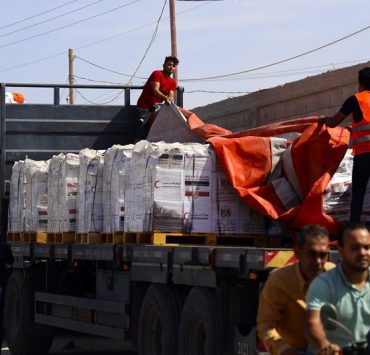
[
  {"x": 330, "y": 349},
  {"x": 167, "y": 101}
]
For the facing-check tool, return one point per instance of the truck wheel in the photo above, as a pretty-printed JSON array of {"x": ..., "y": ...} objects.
[
  {"x": 17, "y": 313},
  {"x": 159, "y": 322},
  {"x": 199, "y": 326}
]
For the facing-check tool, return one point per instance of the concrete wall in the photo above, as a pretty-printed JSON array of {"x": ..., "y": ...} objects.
[{"x": 322, "y": 94}]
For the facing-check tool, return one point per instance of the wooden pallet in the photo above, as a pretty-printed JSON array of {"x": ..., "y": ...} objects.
[
  {"x": 30, "y": 237},
  {"x": 179, "y": 238},
  {"x": 113, "y": 238},
  {"x": 13, "y": 236},
  {"x": 88, "y": 238},
  {"x": 60, "y": 238}
]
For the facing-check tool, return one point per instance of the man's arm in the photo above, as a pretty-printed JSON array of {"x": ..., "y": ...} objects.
[
  {"x": 171, "y": 95},
  {"x": 271, "y": 304},
  {"x": 157, "y": 92},
  {"x": 316, "y": 334},
  {"x": 333, "y": 121},
  {"x": 318, "y": 294}
]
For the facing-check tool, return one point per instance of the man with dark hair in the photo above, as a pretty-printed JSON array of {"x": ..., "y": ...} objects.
[
  {"x": 359, "y": 106},
  {"x": 160, "y": 87},
  {"x": 282, "y": 307},
  {"x": 347, "y": 287}
]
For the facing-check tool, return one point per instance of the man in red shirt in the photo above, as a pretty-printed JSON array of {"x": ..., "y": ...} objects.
[{"x": 160, "y": 87}]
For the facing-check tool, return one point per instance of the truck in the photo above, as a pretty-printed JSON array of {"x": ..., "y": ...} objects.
[{"x": 188, "y": 298}]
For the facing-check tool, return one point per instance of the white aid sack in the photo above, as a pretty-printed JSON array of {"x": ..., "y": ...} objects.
[
  {"x": 90, "y": 192},
  {"x": 62, "y": 192},
  {"x": 36, "y": 201},
  {"x": 115, "y": 167}
]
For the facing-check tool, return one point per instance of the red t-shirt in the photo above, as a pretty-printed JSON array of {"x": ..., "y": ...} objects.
[{"x": 147, "y": 98}]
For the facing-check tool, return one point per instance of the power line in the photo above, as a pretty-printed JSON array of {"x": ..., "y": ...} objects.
[
  {"x": 96, "y": 42},
  {"x": 218, "y": 92},
  {"x": 104, "y": 68},
  {"x": 280, "y": 61},
  {"x": 38, "y": 14},
  {"x": 98, "y": 81},
  {"x": 147, "y": 49},
  {"x": 150, "y": 43},
  {"x": 69, "y": 25},
  {"x": 98, "y": 103},
  {"x": 50, "y": 19}
]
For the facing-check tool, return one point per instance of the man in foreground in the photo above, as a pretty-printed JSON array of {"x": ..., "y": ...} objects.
[
  {"x": 282, "y": 307},
  {"x": 359, "y": 106},
  {"x": 160, "y": 87},
  {"x": 347, "y": 287}
]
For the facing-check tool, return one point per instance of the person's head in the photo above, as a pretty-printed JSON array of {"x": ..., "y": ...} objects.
[
  {"x": 354, "y": 247},
  {"x": 364, "y": 78},
  {"x": 170, "y": 64},
  {"x": 312, "y": 250}
]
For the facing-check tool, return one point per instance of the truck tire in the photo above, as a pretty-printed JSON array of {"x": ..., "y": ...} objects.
[
  {"x": 199, "y": 332},
  {"x": 159, "y": 322},
  {"x": 17, "y": 313}
]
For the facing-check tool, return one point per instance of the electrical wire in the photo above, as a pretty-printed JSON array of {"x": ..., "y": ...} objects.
[
  {"x": 98, "y": 103},
  {"x": 98, "y": 81},
  {"x": 279, "y": 73},
  {"x": 150, "y": 43},
  {"x": 63, "y": 91},
  {"x": 281, "y": 61},
  {"x": 38, "y": 14},
  {"x": 69, "y": 25},
  {"x": 96, "y": 42},
  {"x": 51, "y": 19},
  {"x": 218, "y": 92},
  {"x": 146, "y": 51},
  {"x": 106, "y": 69}
]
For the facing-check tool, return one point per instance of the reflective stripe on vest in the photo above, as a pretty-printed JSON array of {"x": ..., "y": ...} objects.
[{"x": 361, "y": 130}]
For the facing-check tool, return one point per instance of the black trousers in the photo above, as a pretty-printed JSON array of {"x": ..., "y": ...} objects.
[{"x": 360, "y": 179}]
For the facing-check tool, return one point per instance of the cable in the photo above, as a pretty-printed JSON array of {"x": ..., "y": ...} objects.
[
  {"x": 96, "y": 42},
  {"x": 98, "y": 103},
  {"x": 69, "y": 25},
  {"x": 146, "y": 51},
  {"x": 50, "y": 19},
  {"x": 98, "y": 81},
  {"x": 280, "y": 61},
  {"x": 150, "y": 43},
  {"x": 64, "y": 89},
  {"x": 103, "y": 68},
  {"x": 219, "y": 92},
  {"x": 38, "y": 14}
]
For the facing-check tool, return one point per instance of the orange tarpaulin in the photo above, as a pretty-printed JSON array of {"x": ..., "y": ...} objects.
[{"x": 246, "y": 157}]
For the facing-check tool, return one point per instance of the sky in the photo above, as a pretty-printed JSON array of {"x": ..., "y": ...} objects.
[{"x": 122, "y": 41}]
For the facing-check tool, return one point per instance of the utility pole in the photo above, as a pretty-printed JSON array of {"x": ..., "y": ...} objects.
[
  {"x": 173, "y": 37},
  {"x": 71, "y": 78}
]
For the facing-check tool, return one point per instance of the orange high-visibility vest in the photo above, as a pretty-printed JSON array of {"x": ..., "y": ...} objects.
[{"x": 361, "y": 130}]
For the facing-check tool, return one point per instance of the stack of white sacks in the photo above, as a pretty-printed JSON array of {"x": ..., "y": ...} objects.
[
  {"x": 337, "y": 196},
  {"x": 147, "y": 187}
]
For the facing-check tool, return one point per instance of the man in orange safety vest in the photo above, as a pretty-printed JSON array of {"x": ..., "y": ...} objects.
[{"x": 359, "y": 106}]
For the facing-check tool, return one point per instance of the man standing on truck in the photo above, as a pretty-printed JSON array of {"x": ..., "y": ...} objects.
[
  {"x": 347, "y": 287},
  {"x": 282, "y": 308},
  {"x": 6, "y": 258},
  {"x": 159, "y": 88},
  {"x": 359, "y": 106}
]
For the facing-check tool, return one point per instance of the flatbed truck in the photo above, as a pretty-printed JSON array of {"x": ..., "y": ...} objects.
[{"x": 187, "y": 298}]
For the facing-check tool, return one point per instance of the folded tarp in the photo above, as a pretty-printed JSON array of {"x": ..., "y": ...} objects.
[{"x": 287, "y": 187}]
